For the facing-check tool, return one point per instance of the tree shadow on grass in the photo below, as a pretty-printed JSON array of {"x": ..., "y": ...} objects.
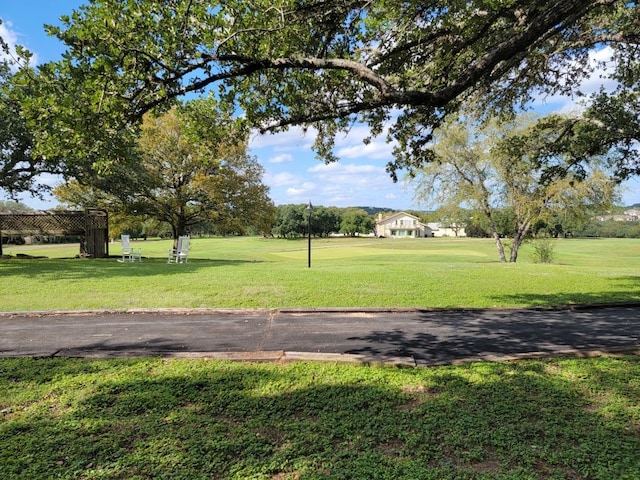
[
  {"x": 629, "y": 292},
  {"x": 55, "y": 269},
  {"x": 137, "y": 419}
]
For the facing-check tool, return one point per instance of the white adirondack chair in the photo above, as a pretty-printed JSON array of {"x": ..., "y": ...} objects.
[
  {"x": 180, "y": 254},
  {"x": 129, "y": 254}
]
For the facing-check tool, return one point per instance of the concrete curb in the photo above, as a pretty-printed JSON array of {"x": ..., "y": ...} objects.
[
  {"x": 568, "y": 353},
  {"x": 281, "y": 356},
  {"x": 309, "y": 310},
  {"x": 278, "y": 356}
]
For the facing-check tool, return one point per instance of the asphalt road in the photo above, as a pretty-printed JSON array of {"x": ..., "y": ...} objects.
[{"x": 414, "y": 337}]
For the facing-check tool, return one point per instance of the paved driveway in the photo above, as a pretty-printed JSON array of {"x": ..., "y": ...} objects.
[{"x": 422, "y": 337}]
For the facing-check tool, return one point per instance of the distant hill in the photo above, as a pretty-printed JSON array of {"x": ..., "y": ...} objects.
[{"x": 376, "y": 210}]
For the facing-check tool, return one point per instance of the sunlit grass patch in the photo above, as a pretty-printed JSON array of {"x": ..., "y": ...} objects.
[{"x": 345, "y": 272}]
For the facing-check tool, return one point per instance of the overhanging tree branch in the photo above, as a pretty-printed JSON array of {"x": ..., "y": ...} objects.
[{"x": 326, "y": 63}]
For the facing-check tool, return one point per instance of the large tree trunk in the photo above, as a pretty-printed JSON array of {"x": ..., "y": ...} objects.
[
  {"x": 495, "y": 234},
  {"x": 178, "y": 229},
  {"x": 521, "y": 233},
  {"x": 517, "y": 241},
  {"x": 499, "y": 246}
]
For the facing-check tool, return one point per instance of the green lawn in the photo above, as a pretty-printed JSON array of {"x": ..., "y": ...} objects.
[
  {"x": 199, "y": 419},
  {"x": 359, "y": 272}
]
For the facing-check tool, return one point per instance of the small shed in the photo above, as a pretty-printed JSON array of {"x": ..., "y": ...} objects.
[{"x": 91, "y": 226}]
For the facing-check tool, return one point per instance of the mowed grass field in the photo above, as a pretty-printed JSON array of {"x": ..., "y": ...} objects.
[{"x": 251, "y": 272}]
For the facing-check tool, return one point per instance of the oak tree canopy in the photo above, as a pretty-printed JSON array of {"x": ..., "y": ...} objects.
[
  {"x": 402, "y": 64},
  {"x": 20, "y": 165}
]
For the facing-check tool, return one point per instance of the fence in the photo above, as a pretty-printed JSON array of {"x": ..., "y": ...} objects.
[{"x": 91, "y": 226}]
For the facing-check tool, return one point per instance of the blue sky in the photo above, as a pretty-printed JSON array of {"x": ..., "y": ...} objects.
[{"x": 292, "y": 172}]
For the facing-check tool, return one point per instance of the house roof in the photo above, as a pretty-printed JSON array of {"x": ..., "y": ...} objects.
[{"x": 397, "y": 215}]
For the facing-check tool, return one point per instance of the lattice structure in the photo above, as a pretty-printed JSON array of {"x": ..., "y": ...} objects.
[{"x": 90, "y": 225}]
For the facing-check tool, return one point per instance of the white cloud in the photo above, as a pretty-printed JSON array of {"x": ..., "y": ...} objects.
[
  {"x": 50, "y": 179},
  {"x": 8, "y": 35},
  {"x": 350, "y": 176},
  {"x": 358, "y": 179},
  {"x": 349, "y": 146},
  {"x": 293, "y": 139},
  {"x": 344, "y": 185},
  {"x": 338, "y": 184},
  {"x": 294, "y": 192},
  {"x": 376, "y": 150},
  {"x": 356, "y": 134},
  {"x": 337, "y": 168},
  {"x": 352, "y": 144},
  {"x": 305, "y": 191},
  {"x": 11, "y": 37},
  {"x": 281, "y": 179},
  {"x": 282, "y": 158}
]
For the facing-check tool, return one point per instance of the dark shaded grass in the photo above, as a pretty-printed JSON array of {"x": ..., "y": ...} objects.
[{"x": 186, "y": 419}]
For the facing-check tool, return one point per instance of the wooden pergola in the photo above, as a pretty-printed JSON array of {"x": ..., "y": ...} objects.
[{"x": 91, "y": 226}]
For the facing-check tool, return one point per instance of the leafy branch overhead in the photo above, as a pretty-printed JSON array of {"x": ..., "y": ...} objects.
[
  {"x": 325, "y": 64},
  {"x": 20, "y": 165}
]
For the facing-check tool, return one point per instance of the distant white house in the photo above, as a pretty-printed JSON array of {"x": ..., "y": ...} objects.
[
  {"x": 405, "y": 225},
  {"x": 632, "y": 215}
]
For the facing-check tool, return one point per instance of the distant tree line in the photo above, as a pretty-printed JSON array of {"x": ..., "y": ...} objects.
[
  {"x": 610, "y": 229},
  {"x": 552, "y": 225},
  {"x": 292, "y": 221},
  {"x": 555, "y": 226}
]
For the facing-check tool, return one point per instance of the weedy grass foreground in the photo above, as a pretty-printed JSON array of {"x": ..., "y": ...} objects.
[{"x": 196, "y": 419}]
